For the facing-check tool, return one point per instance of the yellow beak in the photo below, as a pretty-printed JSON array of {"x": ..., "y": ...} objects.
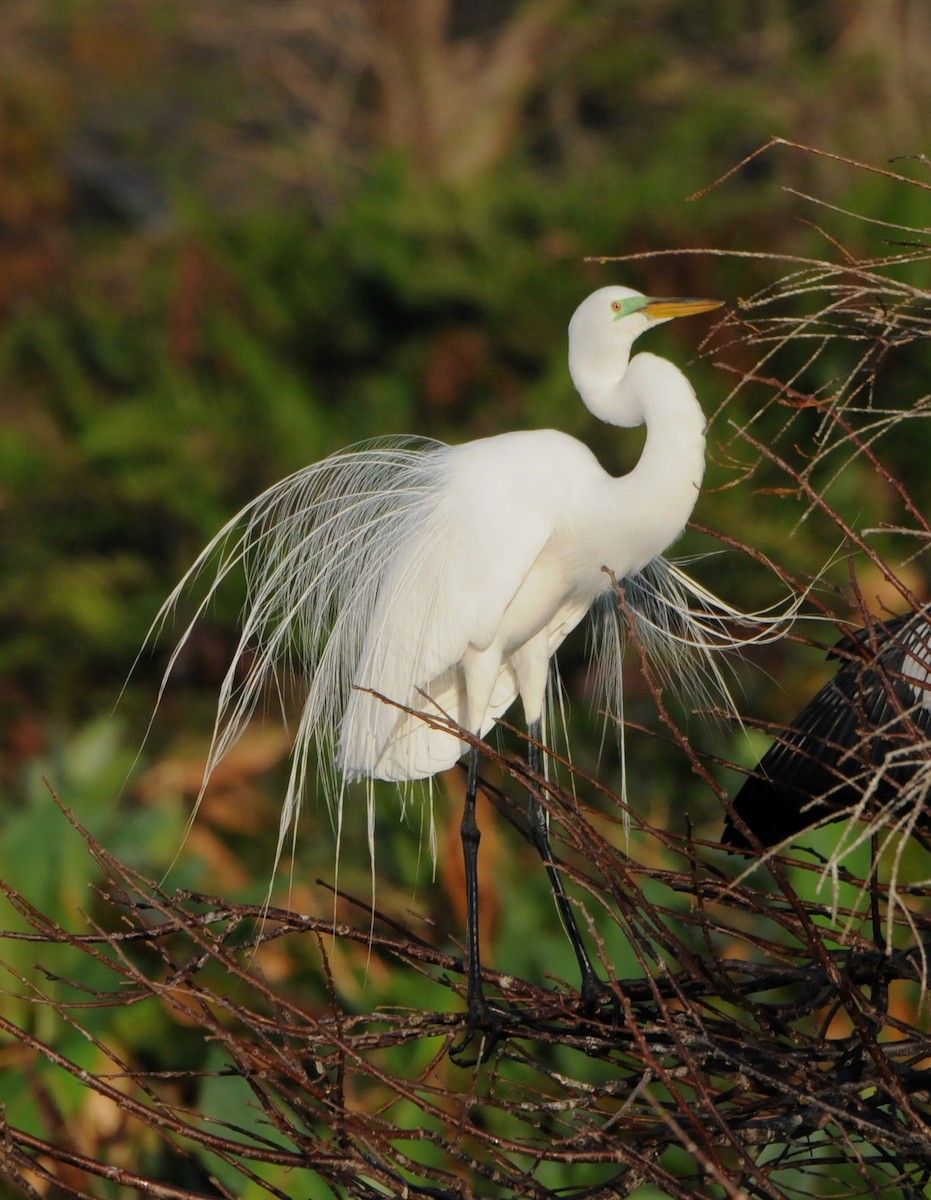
[{"x": 664, "y": 310}]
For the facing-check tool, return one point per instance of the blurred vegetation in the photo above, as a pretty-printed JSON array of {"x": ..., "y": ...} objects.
[{"x": 236, "y": 235}]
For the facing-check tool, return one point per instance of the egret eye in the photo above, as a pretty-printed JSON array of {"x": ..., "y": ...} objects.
[{"x": 616, "y": 306}]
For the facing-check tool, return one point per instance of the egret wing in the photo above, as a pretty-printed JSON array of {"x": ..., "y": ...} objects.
[{"x": 447, "y": 594}]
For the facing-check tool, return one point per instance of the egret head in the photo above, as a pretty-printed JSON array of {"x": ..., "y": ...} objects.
[{"x": 603, "y": 329}]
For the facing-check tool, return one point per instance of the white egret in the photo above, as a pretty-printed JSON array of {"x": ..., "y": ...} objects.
[
  {"x": 409, "y": 577},
  {"x": 861, "y": 740}
]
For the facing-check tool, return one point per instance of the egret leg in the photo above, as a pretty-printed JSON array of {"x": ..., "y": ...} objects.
[
  {"x": 592, "y": 985},
  {"x": 480, "y": 1013}
]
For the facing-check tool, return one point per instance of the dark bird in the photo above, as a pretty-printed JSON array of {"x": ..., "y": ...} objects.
[{"x": 865, "y": 734}]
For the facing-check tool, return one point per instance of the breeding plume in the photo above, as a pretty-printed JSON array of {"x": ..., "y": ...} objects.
[
  {"x": 859, "y": 747},
  {"x": 416, "y": 589}
]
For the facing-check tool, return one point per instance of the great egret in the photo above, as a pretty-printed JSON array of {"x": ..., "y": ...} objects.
[
  {"x": 418, "y": 588},
  {"x": 856, "y": 746}
]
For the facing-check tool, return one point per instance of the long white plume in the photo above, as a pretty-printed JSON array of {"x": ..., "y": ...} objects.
[{"x": 315, "y": 550}]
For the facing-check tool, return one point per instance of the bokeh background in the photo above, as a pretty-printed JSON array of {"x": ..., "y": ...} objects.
[{"x": 236, "y": 235}]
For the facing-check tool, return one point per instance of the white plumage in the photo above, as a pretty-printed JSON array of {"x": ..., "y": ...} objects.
[{"x": 470, "y": 613}]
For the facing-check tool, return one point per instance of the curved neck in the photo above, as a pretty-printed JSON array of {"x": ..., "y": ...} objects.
[
  {"x": 605, "y": 395},
  {"x": 658, "y": 495},
  {"x": 674, "y": 452}
]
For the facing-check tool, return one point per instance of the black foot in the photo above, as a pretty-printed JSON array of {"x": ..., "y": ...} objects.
[
  {"x": 600, "y": 1007},
  {"x": 486, "y": 1024},
  {"x": 597, "y": 995}
]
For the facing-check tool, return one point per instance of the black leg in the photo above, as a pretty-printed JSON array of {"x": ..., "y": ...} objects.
[
  {"x": 592, "y": 986},
  {"x": 480, "y": 1014}
]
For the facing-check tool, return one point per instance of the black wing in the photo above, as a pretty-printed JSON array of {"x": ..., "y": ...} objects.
[{"x": 877, "y": 705}]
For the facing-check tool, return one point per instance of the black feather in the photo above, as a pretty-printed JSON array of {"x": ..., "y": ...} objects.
[{"x": 877, "y": 705}]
